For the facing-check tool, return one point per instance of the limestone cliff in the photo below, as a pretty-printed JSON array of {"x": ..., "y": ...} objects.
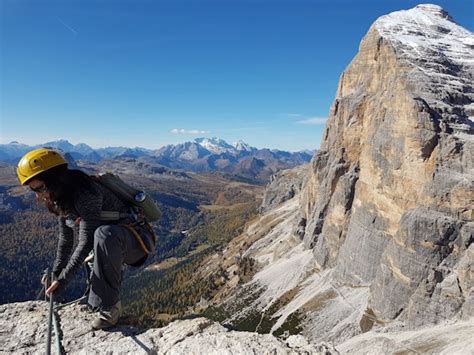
[
  {"x": 378, "y": 236},
  {"x": 283, "y": 186},
  {"x": 389, "y": 202}
]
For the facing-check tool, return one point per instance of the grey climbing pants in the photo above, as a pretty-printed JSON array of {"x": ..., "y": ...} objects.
[{"x": 114, "y": 245}]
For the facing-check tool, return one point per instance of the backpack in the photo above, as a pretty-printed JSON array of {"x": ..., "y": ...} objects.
[{"x": 130, "y": 196}]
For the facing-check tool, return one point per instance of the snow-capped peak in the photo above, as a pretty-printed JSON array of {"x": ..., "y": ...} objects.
[
  {"x": 441, "y": 54},
  {"x": 62, "y": 144},
  {"x": 435, "y": 9},
  {"x": 242, "y": 146},
  {"x": 427, "y": 27},
  {"x": 215, "y": 145}
]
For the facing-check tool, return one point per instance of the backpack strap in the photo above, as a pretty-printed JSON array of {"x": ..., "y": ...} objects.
[
  {"x": 137, "y": 237},
  {"x": 114, "y": 215}
]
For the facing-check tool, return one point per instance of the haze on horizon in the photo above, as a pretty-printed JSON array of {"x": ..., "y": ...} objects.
[{"x": 213, "y": 141}]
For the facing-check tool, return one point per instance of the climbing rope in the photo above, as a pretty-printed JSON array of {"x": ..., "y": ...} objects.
[
  {"x": 54, "y": 320},
  {"x": 50, "y": 316},
  {"x": 62, "y": 305},
  {"x": 58, "y": 332}
]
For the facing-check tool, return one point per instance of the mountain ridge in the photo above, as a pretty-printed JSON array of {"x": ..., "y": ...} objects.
[
  {"x": 200, "y": 155},
  {"x": 213, "y": 145}
]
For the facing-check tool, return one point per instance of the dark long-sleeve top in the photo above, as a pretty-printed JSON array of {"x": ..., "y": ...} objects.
[{"x": 88, "y": 205}]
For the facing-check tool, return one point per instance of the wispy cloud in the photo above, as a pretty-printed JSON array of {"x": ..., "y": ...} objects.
[
  {"x": 67, "y": 26},
  {"x": 292, "y": 115},
  {"x": 301, "y": 119},
  {"x": 313, "y": 121},
  {"x": 188, "y": 131}
]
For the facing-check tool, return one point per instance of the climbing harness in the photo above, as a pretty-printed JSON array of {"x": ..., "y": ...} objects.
[
  {"x": 132, "y": 229},
  {"x": 139, "y": 220}
]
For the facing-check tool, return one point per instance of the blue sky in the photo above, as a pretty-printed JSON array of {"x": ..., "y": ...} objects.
[{"x": 150, "y": 73}]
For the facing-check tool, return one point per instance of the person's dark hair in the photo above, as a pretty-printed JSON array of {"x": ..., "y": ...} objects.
[{"x": 62, "y": 184}]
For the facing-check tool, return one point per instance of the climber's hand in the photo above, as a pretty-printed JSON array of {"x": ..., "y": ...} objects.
[{"x": 51, "y": 288}]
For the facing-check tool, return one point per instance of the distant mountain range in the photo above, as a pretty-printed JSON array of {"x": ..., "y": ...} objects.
[{"x": 200, "y": 155}]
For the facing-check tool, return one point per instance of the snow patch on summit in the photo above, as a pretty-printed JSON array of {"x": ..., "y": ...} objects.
[
  {"x": 428, "y": 28},
  {"x": 215, "y": 145},
  {"x": 241, "y": 145},
  {"x": 442, "y": 55}
]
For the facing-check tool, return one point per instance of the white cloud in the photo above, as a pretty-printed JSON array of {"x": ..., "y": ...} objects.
[
  {"x": 188, "y": 131},
  {"x": 293, "y": 115},
  {"x": 314, "y": 121}
]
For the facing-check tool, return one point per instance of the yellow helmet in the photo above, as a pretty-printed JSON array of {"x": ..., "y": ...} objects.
[{"x": 36, "y": 162}]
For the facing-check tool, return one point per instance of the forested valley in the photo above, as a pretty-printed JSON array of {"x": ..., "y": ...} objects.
[{"x": 200, "y": 214}]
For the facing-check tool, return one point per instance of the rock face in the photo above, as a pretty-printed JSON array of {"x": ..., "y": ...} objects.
[
  {"x": 389, "y": 202},
  {"x": 379, "y": 238},
  {"x": 283, "y": 186},
  {"x": 24, "y": 327}
]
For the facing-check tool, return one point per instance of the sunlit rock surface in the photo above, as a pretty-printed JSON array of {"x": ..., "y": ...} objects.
[
  {"x": 24, "y": 326},
  {"x": 379, "y": 238},
  {"x": 389, "y": 201}
]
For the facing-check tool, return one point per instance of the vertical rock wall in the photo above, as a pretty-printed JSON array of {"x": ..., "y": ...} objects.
[{"x": 390, "y": 197}]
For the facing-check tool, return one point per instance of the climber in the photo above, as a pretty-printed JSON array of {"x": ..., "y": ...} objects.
[{"x": 79, "y": 201}]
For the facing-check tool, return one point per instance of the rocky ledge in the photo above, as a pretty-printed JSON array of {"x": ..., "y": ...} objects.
[{"x": 23, "y": 328}]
